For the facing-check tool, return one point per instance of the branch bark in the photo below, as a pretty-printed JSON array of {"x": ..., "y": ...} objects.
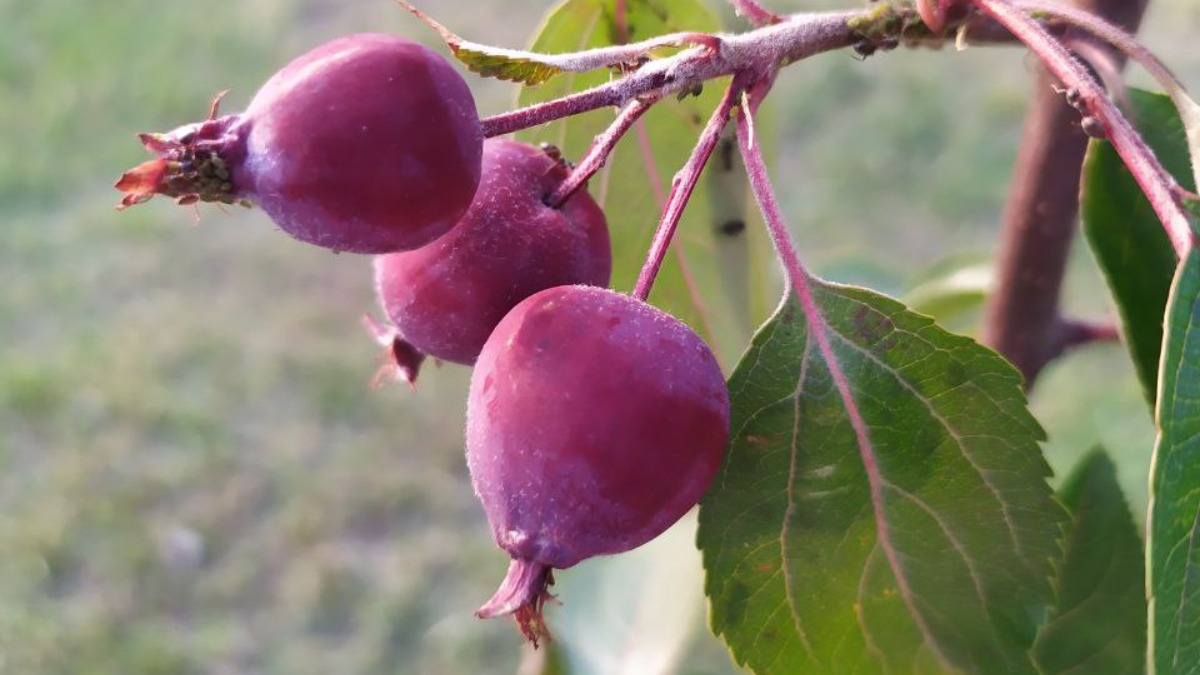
[{"x": 1022, "y": 319}]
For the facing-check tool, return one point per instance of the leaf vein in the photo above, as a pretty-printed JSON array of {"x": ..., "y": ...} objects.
[{"x": 1010, "y": 526}]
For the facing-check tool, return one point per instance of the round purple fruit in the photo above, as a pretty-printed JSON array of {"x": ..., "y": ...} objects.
[
  {"x": 594, "y": 422},
  {"x": 369, "y": 143},
  {"x": 445, "y": 298}
]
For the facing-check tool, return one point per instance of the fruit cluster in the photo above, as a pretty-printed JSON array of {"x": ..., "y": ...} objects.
[{"x": 594, "y": 420}]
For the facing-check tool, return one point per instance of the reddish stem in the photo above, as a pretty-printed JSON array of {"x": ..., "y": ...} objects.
[
  {"x": 682, "y": 187},
  {"x": 602, "y": 146},
  {"x": 760, "y": 50},
  {"x": 548, "y": 111},
  {"x": 1114, "y": 35},
  {"x": 1022, "y": 316},
  {"x": 685, "y": 267},
  {"x": 1156, "y": 183},
  {"x": 764, "y": 194},
  {"x": 1076, "y": 332}
]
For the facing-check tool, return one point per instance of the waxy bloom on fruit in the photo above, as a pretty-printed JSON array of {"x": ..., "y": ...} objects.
[
  {"x": 445, "y": 298},
  {"x": 594, "y": 422},
  {"x": 369, "y": 143}
]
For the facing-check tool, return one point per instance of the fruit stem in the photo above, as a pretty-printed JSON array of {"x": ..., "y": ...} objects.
[
  {"x": 599, "y": 151},
  {"x": 1157, "y": 184},
  {"x": 522, "y": 594},
  {"x": 682, "y": 187}
]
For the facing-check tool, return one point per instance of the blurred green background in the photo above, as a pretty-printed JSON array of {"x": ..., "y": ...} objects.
[{"x": 197, "y": 476}]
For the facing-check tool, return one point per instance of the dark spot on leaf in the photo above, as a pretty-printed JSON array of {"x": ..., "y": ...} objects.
[
  {"x": 874, "y": 328},
  {"x": 735, "y": 603}
]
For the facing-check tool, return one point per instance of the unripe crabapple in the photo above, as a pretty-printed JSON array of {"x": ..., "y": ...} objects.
[
  {"x": 369, "y": 143},
  {"x": 594, "y": 422}
]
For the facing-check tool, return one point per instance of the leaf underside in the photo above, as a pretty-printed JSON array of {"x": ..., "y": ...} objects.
[
  {"x": 938, "y": 560},
  {"x": 1174, "y": 540},
  {"x": 1098, "y": 625},
  {"x": 523, "y": 70},
  {"x": 1126, "y": 236}
]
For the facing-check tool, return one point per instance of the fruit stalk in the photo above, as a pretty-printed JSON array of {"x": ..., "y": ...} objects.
[
  {"x": 602, "y": 146},
  {"x": 682, "y": 187}
]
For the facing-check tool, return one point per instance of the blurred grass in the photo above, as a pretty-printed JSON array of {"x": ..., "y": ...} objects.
[{"x": 197, "y": 477}]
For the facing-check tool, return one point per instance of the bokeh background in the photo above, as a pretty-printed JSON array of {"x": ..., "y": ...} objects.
[{"x": 195, "y": 475}]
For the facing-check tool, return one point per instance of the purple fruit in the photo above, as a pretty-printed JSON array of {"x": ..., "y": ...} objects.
[
  {"x": 595, "y": 421},
  {"x": 445, "y": 298},
  {"x": 369, "y": 143}
]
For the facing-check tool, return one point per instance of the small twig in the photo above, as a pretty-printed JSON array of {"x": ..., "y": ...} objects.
[
  {"x": 602, "y": 146},
  {"x": 682, "y": 187},
  {"x": 799, "y": 37},
  {"x": 541, "y": 113},
  {"x": 1076, "y": 332},
  {"x": 575, "y": 62},
  {"x": 1157, "y": 184}
]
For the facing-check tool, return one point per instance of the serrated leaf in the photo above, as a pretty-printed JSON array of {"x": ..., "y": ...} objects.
[
  {"x": 488, "y": 61},
  {"x": 1098, "y": 625},
  {"x": 533, "y": 68},
  {"x": 925, "y": 543},
  {"x": 1174, "y": 527},
  {"x": 513, "y": 68},
  {"x": 638, "y": 174},
  {"x": 1126, "y": 236}
]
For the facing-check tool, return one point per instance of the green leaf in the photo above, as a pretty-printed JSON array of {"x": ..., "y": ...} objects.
[
  {"x": 632, "y": 614},
  {"x": 638, "y": 175},
  {"x": 488, "y": 61},
  {"x": 925, "y": 543},
  {"x": 953, "y": 291},
  {"x": 1126, "y": 236},
  {"x": 1189, "y": 112},
  {"x": 1098, "y": 626},
  {"x": 1174, "y": 527},
  {"x": 523, "y": 69},
  {"x": 533, "y": 68}
]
